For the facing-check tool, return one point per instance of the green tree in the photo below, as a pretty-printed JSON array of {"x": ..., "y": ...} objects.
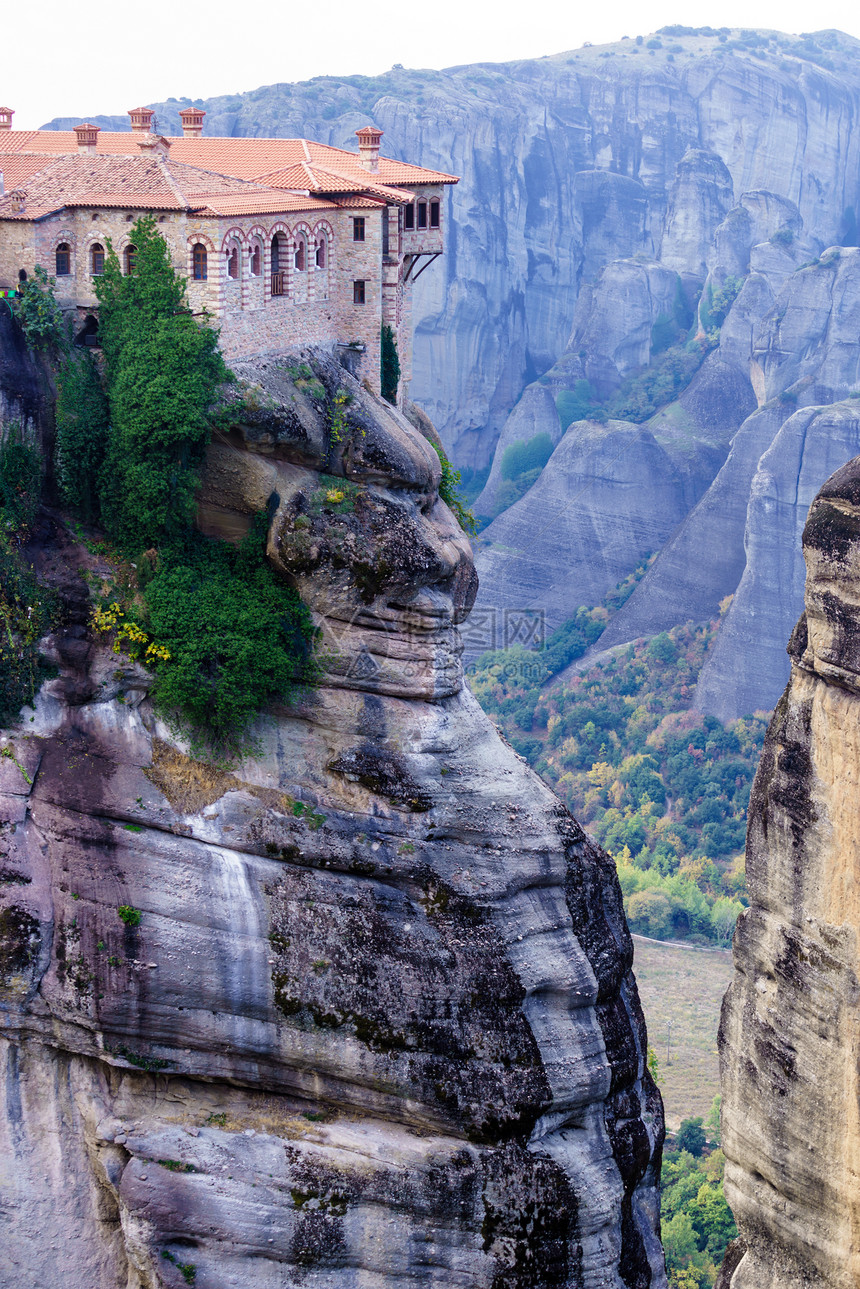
[
  {"x": 691, "y": 1136},
  {"x": 163, "y": 371},
  {"x": 38, "y": 312},
  {"x": 650, "y": 913},
  {"x": 83, "y": 418},
  {"x": 712, "y": 1122},
  {"x": 389, "y": 364}
]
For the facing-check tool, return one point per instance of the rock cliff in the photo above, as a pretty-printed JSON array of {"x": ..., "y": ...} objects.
[
  {"x": 375, "y": 1024},
  {"x": 788, "y": 1036}
]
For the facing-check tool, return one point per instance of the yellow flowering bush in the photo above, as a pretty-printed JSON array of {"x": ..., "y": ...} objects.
[{"x": 129, "y": 639}]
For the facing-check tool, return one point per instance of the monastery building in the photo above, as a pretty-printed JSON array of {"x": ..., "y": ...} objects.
[{"x": 282, "y": 241}]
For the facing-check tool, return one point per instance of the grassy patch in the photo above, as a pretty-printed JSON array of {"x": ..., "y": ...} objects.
[
  {"x": 189, "y": 785},
  {"x": 682, "y": 991}
]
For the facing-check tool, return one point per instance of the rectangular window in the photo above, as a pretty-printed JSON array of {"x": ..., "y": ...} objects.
[
  {"x": 434, "y": 214},
  {"x": 358, "y": 292},
  {"x": 358, "y": 228},
  {"x": 409, "y": 217},
  {"x": 422, "y": 214},
  {"x": 385, "y": 232}
]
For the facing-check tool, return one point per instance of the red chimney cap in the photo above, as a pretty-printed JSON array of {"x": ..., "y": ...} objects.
[
  {"x": 87, "y": 134},
  {"x": 369, "y": 134}
]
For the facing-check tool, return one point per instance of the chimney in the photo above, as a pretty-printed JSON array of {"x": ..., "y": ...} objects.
[
  {"x": 87, "y": 136},
  {"x": 141, "y": 119},
  {"x": 6, "y": 114},
  {"x": 192, "y": 122},
  {"x": 18, "y": 200},
  {"x": 368, "y": 147},
  {"x": 152, "y": 145}
]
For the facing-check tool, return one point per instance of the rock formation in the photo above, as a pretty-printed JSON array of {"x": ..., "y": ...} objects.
[
  {"x": 375, "y": 1023},
  {"x": 788, "y": 1040}
]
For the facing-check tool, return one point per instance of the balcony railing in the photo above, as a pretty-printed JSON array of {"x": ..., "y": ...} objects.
[{"x": 277, "y": 284}]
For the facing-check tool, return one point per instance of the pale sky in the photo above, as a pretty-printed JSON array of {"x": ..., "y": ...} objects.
[{"x": 59, "y": 60}]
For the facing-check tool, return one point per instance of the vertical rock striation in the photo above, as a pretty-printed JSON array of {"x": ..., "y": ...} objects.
[
  {"x": 376, "y": 1025},
  {"x": 788, "y": 1035}
]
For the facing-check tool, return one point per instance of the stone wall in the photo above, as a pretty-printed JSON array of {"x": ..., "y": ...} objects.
[{"x": 317, "y": 305}]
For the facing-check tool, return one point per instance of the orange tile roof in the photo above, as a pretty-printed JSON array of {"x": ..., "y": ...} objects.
[
  {"x": 17, "y": 168},
  {"x": 259, "y": 202},
  {"x": 316, "y": 179},
  {"x": 244, "y": 158},
  {"x": 145, "y": 183}
]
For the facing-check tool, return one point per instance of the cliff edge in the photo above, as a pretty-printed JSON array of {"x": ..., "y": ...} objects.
[
  {"x": 356, "y": 1012},
  {"x": 788, "y": 1035}
]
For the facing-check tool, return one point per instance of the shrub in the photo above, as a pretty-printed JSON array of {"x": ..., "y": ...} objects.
[
  {"x": 25, "y": 616},
  {"x": 575, "y": 404},
  {"x": 237, "y": 638},
  {"x": 20, "y": 481},
  {"x": 524, "y": 457},
  {"x": 449, "y": 492},
  {"x": 640, "y": 396},
  {"x": 129, "y": 915}
]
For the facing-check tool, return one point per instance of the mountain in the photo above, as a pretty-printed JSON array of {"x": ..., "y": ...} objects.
[{"x": 788, "y": 1031}]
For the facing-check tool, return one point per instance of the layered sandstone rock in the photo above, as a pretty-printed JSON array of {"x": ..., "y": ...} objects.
[
  {"x": 376, "y": 1025},
  {"x": 788, "y": 1037}
]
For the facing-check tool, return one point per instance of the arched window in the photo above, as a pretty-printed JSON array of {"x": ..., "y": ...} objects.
[
  {"x": 256, "y": 261},
  {"x": 279, "y": 263},
  {"x": 64, "y": 259},
  {"x": 232, "y": 261},
  {"x": 199, "y": 262},
  {"x": 130, "y": 257},
  {"x": 97, "y": 259},
  {"x": 422, "y": 214},
  {"x": 322, "y": 252},
  {"x": 434, "y": 213},
  {"x": 301, "y": 255}
]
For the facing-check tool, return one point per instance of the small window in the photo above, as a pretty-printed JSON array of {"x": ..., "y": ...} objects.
[
  {"x": 64, "y": 259},
  {"x": 300, "y": 255},
  {"x": 130, "y": 256},
  {"x": 434, "y": 214},
  {"x": 97, "y": 259},
  {"x": 358, "y": 229},
  {"x": 422, "y": 214},
  {"x": 233, "y": 262},
  {"x": 200, "y": 262},
  {"x": 322, "y": 256},
  {"x": 409, "y": 217},
  {"x": 358, "y": 292},
  {"x": 256, "y": 259}
]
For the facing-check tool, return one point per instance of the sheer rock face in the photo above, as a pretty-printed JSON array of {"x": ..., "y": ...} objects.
[
  {"x": 789, "y": 1024},
  {"x": 376, "y": 1024}
]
